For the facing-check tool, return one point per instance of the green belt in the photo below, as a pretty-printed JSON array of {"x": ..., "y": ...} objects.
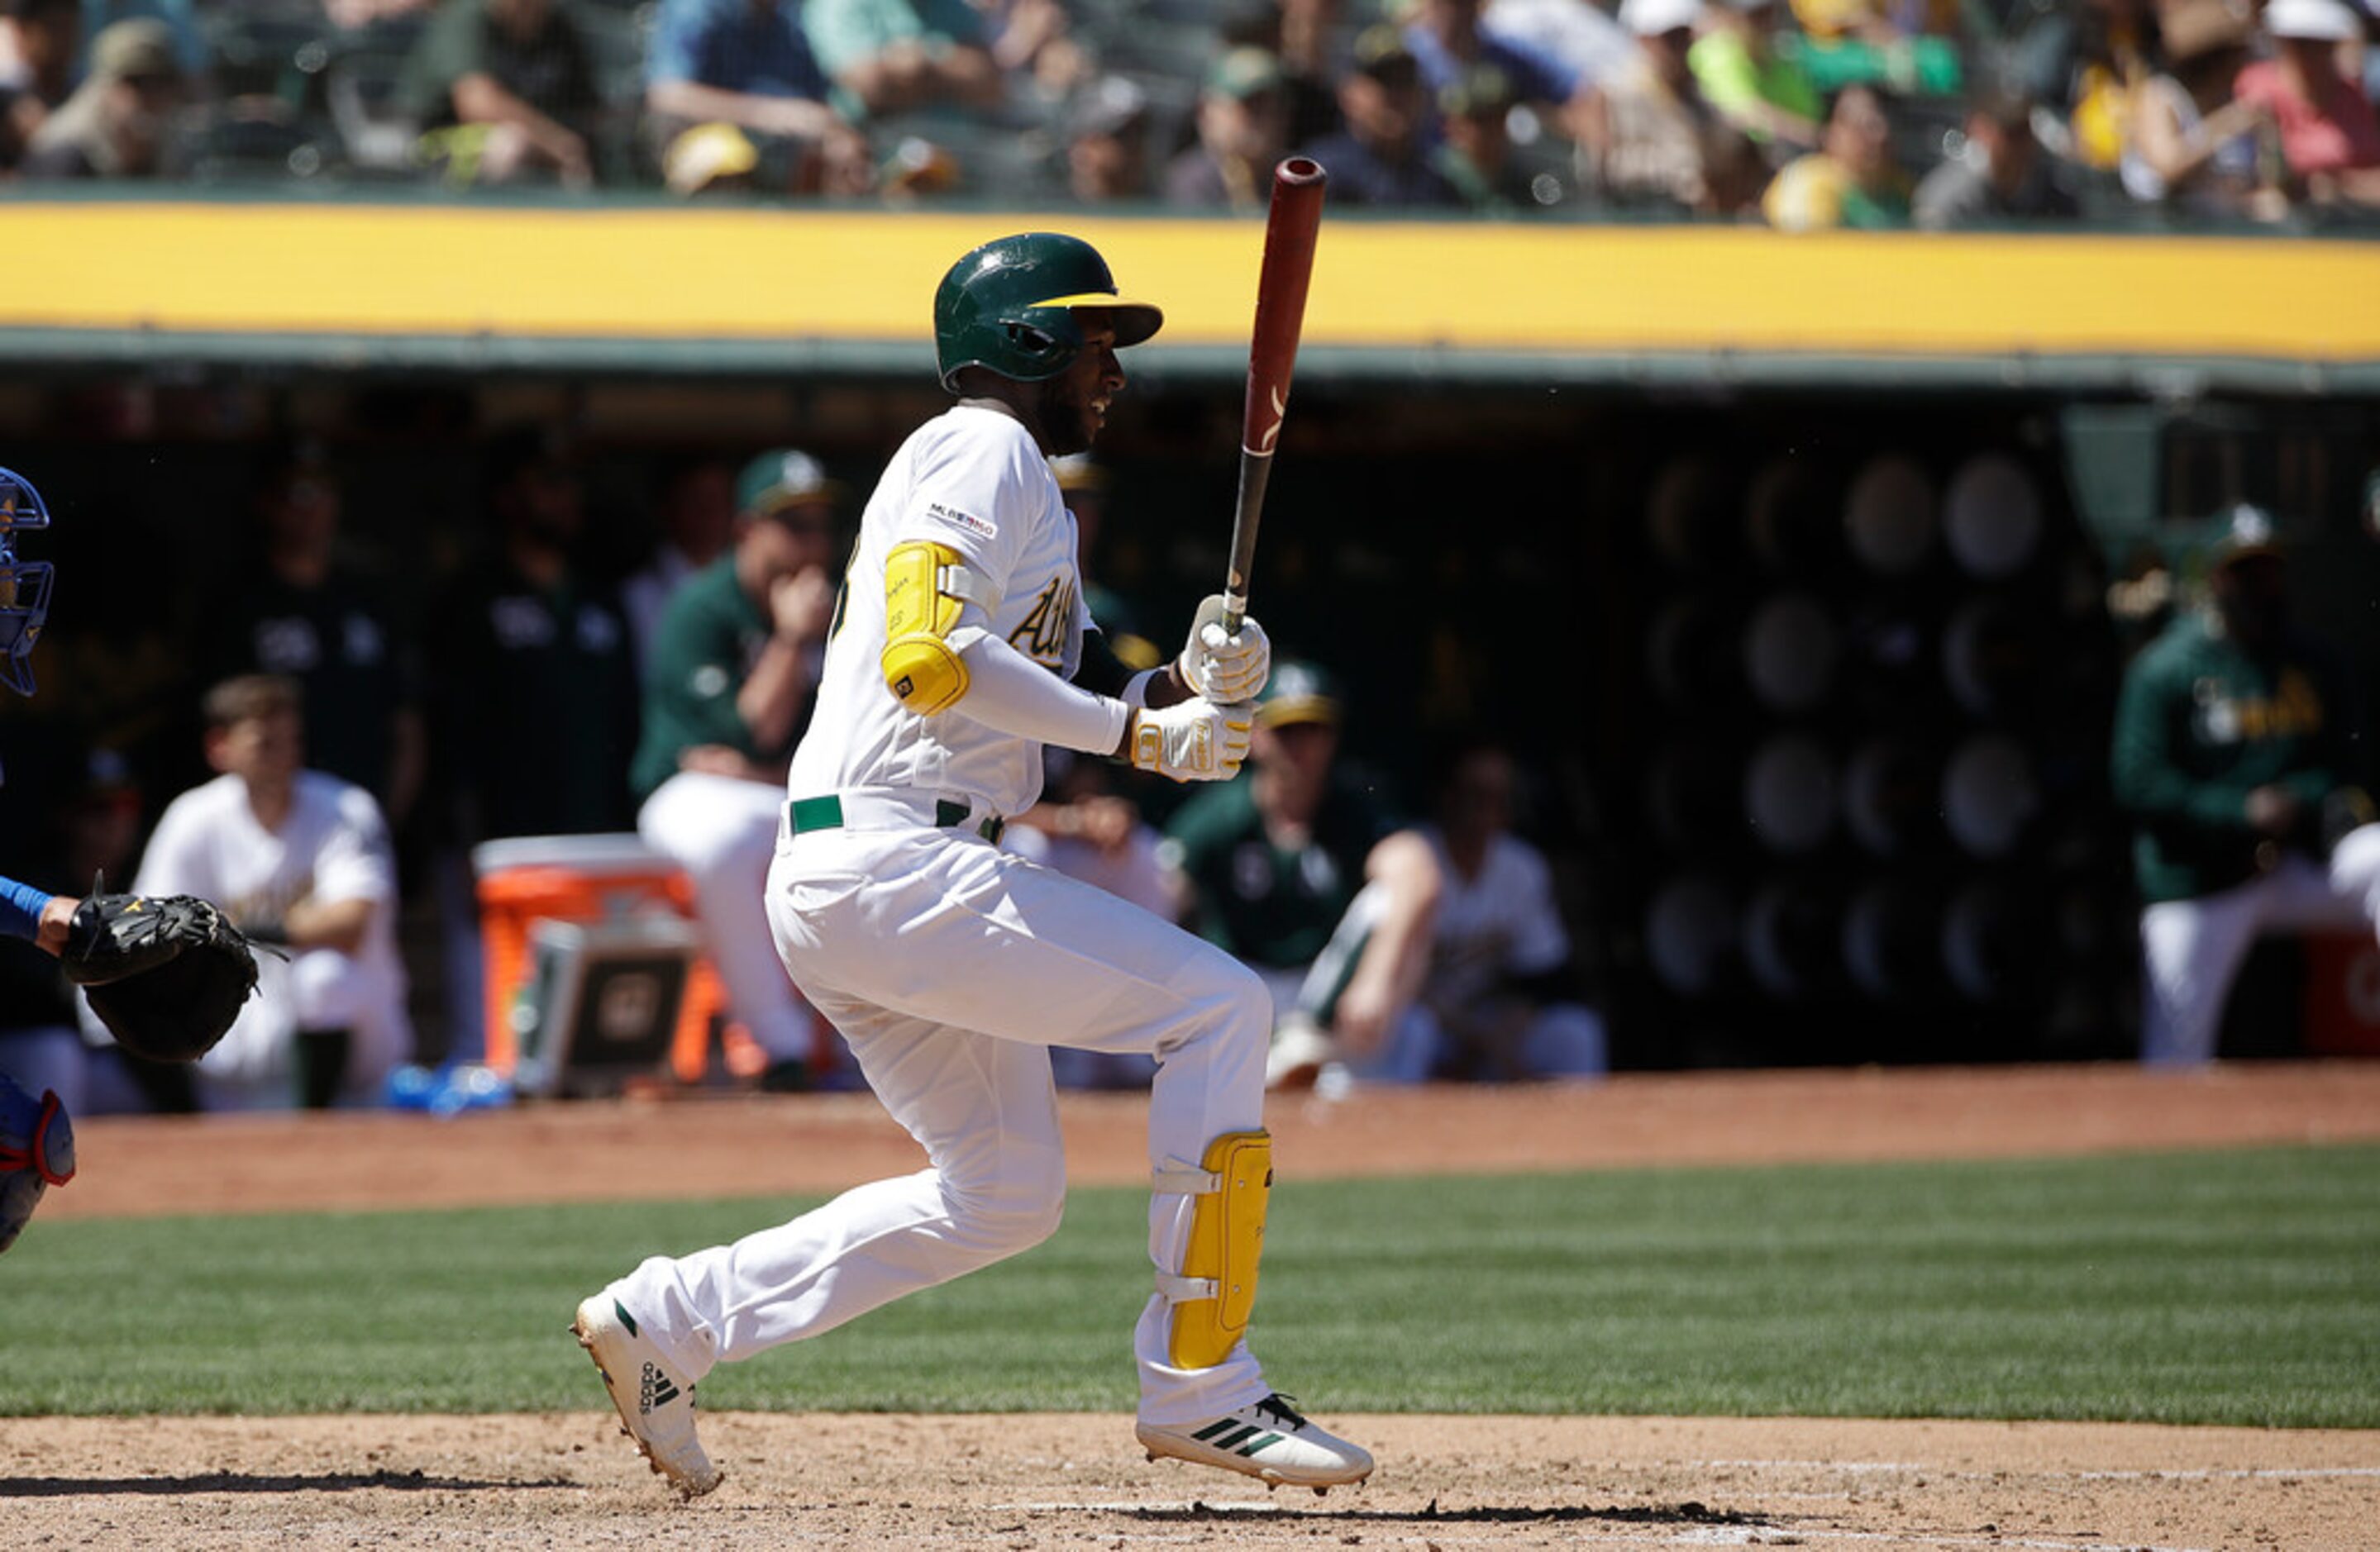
[{"x": 806, "y": 814}]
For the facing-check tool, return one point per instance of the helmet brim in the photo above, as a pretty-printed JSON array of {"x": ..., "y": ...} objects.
[{"x": 1134, "y": 322}]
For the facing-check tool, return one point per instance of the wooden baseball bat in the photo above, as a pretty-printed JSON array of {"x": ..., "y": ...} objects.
[{"x": 1291, "y": 224}]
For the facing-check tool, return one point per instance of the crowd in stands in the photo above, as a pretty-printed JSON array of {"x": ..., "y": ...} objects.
[{"x": 1806, "y": 113}]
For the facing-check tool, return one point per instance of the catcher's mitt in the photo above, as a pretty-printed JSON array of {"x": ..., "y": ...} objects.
[
  {"x": 165, "y": 972},
  {"x": 36, "y": 1152}
]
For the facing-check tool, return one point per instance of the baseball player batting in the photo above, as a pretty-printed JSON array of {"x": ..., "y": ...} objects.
[
  {"x": 166, "y": 973},
  {"x": 950, "y": 966}
]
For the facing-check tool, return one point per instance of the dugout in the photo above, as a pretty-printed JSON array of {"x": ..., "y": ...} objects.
[{"x": 1548, "y": 480}]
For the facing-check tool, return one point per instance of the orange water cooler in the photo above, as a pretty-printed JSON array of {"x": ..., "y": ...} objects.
[{"x": 594, "y": 880}]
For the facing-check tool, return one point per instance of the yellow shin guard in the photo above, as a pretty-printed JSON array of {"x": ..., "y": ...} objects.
[{"x": 1217, "y": 1282}]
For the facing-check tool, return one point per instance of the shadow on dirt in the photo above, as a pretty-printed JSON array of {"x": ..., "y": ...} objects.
[
  {"x": 235, "y": 1481},
  {"x": 1687, "y": 1513}
]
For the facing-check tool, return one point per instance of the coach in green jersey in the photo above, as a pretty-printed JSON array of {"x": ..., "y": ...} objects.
[
  {"x": 729, "y": 685},
  {"x": 2233, "y": 754}
]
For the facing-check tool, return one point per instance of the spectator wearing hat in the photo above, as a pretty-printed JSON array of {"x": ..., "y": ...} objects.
[
  {"x": 1107, "y": 142},
  {"x": 39, "y": 40},
  {"x": 2000, "y": 176},
  {"x": 747, "y": 64},
  {"x": 1382, "y": 156},
  {"x": 1647, "y": 134},
  {"x": 119, "y": 123},
  {"x": 1243, "y": 123},
  {"x": 728, "y": 689},
  {"x": 2329, "y": 131},
  {"x": 504, "y": 91},
  {"x": 2193, "y": 144},
  {"x": 1275, "y": 864},
  {"x": 1474, "y": 148},
  {"x": 1851, "y": 180},
  {"x": 888, "y": 56},
  {"x": 1767, "y": 94},
  {"x": 2235, "y": 745}
]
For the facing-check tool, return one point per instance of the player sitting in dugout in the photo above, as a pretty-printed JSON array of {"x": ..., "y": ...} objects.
[
  {"x": 302, "y": 860},
  {"x": 1395, "y": 953}
]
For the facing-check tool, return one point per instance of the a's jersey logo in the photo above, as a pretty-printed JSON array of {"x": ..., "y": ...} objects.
[
  {"x": 1041, "y": 635},
  {"x": 2294, "y": 711}
]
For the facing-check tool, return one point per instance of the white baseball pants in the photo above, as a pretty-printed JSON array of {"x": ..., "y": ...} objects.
[
  {"x": 2191, "y": 950},
  {"x": 724, "y": 832},
  {"x": 951, "y": 966}
]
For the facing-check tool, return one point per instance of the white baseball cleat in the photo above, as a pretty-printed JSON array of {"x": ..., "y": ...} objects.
[
  {"x": 656, "y": 1406},
  {"x": 1266, "y": 1440}
]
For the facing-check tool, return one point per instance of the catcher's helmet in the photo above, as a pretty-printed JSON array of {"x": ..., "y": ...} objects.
[
  {"x": 24, "y": 585},
  {"x": 1008, "y": 307}
]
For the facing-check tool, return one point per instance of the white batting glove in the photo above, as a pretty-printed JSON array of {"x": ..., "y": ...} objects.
[
  {"x": 1221, "y": 666},
  {"x": 1190, "y": 740}
]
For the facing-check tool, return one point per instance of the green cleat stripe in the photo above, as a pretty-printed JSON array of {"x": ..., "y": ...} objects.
[
  {"x": 1232, "y": 1441},
  {"x": 1209, "y": 1434},
  {"x": 626, "y": 1319},
  {"x": 1255, "y": 1445}
]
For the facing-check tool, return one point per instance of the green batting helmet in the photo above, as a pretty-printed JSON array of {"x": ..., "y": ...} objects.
[{"x": 1009, "y": 307}]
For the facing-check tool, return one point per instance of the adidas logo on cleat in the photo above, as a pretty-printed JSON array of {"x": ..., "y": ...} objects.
[{"x": 655, "y": 1389}]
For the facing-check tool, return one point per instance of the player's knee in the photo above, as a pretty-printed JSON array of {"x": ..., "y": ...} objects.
[
  {"x": 1235, "y": 996},
  {"x": 1222, "y": 1000},
  {"x": 1016, "y": 1211}
]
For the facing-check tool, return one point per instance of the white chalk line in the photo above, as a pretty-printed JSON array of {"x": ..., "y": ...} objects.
[{"x": 2184, "y": 1473}]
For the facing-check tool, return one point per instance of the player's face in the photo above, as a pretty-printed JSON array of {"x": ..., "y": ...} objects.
[
  {"x": 1296, "y": 761},
  {"x": 797, "y": 539},
  {"x": 264, "y": 749},
  {"x": 1479, "y": 798},
  {"x": 2252, "y": 595},
  {"x": 1073, "y": 404}
]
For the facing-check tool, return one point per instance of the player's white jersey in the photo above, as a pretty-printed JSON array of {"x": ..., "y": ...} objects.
[
  {"x": 973, "y": 480},
  {"x": 333, "y": 846},
  {"x": 1503, "y": 922}
]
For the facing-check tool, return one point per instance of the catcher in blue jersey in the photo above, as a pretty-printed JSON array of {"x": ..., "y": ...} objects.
[{"x": 165, "y": 973}]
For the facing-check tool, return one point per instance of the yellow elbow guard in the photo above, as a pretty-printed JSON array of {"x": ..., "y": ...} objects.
[
  {"x": 926, "y": 585},
  {"x": 1217, "y": 1288}
]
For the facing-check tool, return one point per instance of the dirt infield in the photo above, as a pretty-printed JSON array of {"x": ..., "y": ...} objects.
[{"x": 567, "y": 1482}]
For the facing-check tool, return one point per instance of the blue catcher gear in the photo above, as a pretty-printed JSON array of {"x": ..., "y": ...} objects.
[
  {"x": 24, "y": 585},
  {"x": 36, "y": 1152}
]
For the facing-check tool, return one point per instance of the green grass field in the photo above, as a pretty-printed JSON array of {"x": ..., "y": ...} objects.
[{"x": 2231, "y": 1287}]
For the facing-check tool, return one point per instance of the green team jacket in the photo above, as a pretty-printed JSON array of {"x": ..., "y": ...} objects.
[
  {"x": 702, "y": 652},
  {"x": 2199, "y": 724},
  {"x": 1272, "y": 907}
]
